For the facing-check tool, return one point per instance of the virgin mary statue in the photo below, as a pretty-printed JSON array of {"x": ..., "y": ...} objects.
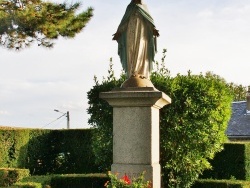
[{"x": 136, "y": 37}]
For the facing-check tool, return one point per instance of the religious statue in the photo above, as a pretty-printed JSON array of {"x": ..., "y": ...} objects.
[{"x": 136, "y": 37}]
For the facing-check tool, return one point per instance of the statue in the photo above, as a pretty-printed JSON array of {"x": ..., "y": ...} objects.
[{"x": 136, "y": 37}]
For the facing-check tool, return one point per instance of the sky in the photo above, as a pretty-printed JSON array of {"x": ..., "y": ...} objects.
[{"x": 199, "y": 35}]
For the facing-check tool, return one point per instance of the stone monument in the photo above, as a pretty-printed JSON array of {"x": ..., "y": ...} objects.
[{"x": 136, "y": 104}]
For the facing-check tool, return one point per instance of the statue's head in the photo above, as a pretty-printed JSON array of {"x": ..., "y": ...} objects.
[{"x": 137, "y": 1}]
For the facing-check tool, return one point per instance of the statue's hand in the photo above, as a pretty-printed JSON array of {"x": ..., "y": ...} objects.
[
  {"x": 156, "y": 32},
  {"x": 116, "y": 36}
]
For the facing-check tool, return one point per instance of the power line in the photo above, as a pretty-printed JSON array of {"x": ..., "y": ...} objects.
[
  {"x": 58, "y": 124},
  {"x": 54, "y": 121}
]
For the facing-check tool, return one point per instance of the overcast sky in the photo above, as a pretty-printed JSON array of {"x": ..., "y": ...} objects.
[{"x": 200, "y": 35}]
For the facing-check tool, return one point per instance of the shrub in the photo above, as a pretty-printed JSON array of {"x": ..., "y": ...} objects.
[
  {"x": 61, "y": 151},
  {"x": 28, "y": 185},
  {"x": 38, "y": 149},
  {"x": 125, "y": 182},
  {"x": 233, "y": 161},
  {"x": 101, "y": 118},
  {"x": 221, "y": 184},
  {"x": 192, "y": 127},
  {"x": 13, "y": 147},
  {"x": 47, "y": 151},
  {"x": 11, "y": 176},
  {"x": 43, "y": 180},
  {"x": 79, "y": 181}
]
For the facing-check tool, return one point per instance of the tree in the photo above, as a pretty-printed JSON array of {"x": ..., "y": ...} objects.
[
  {"x": 192, "y": 128},
  {"x": 239, "y": 91},
  {"x": 23, "y": 22}
]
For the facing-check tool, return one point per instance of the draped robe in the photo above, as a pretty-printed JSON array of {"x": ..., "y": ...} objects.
[{"x": 136, "y": 44}]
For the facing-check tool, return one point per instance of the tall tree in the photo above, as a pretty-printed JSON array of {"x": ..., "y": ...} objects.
[
  {"x": 23, "y": 22},
  {"x": 239, "y": 91}
]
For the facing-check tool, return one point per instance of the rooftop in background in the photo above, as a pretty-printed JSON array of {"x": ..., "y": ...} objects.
[{"x": 239, "y": 124}]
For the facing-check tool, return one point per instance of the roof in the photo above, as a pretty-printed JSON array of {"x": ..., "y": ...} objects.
[{"x": 239, "y": 124}]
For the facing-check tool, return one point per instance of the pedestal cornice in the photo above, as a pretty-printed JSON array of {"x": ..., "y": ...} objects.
[{"x": 147, "y": 96}]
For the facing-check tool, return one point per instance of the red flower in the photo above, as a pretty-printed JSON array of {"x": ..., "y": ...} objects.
[
  {"x": 126, "y": 179},
  {"x": 150, "y": 185}
]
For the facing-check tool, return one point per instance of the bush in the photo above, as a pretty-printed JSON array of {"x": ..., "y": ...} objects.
[
  {"x": 232, "y": 162},
  {"x": 125, "y": 182},
  {"x": 192, "y": 127},
  {"x": 61, "y": 151},
  {"x": 47, "y": 151},
  {"x": 79, "y": 181},
  {"x": 221, "y": 184},
  {"x": 43, "y": 180},
  {"x": 28, "y": 185},
  {"x": 11, "y": 176},
  {"x": 101, "y": 118},
  {"x": 13, "y": 147}
]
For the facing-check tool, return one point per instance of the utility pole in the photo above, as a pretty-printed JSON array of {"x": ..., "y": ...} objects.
[
  {"x": 64, "y": 114},
  {"x": 67, "y": 119}
]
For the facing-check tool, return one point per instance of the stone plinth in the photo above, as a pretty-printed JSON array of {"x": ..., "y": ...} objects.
[{"x": 136, "y": 131}]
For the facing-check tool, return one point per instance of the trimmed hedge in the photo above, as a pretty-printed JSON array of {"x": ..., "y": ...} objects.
[
  {"x": 28, "y": 185},
  {"x": 79, "y": 181},
  {"x": 10, "y": 176},
  {"x": 13, "y": 147},
  {"x": 61, "y": 152},
  {"x": 47, "y": 151},
  {"x": 221, "y": 184},
  {"x": 43, "y": 180},
  {"x": 232, "y": 162}
]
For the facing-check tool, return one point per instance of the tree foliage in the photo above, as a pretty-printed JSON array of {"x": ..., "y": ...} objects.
[
  {"x": 23, "y": 22},
  {"x": 192, "y": 128},
  {"x": 101, "y": 118},
  {"x": 239, "y": 91}
]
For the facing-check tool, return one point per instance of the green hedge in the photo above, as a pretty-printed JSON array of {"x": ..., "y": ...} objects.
[
  {"x": 61, "y": 151},
  {"x": 10, "y": 176},
  {"x": 47, "y": 151},
  {"x": 43, "y": 180},
  {"x": 28, "y": 185},
  {"x": 79, "y": 181},
  {"x": 68, "y": 181},
  {"x": 232, "y": 162},
  {"x": 13, "y": 147},
  {"x": 221, "y": 184}
]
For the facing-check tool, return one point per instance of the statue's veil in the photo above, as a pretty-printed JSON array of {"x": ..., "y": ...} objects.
[{"x": 144, "y": 6}]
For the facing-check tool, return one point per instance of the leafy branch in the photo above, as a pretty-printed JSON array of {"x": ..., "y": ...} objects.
[{"x": 23, "y": 22}]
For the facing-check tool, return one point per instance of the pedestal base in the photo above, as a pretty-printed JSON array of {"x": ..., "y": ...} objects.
[{"x": 151, "y": 172}]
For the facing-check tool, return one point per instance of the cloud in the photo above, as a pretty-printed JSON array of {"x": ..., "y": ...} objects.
[
  {"x": 72, "y": 105},
  {"x": 205, "y": 14},
  {"x": 4, "y": 112},
  {"x": 233, "y": 12}
]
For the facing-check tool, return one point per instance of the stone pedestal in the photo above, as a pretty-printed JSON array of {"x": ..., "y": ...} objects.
[{"x": 136, "y": 131}]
